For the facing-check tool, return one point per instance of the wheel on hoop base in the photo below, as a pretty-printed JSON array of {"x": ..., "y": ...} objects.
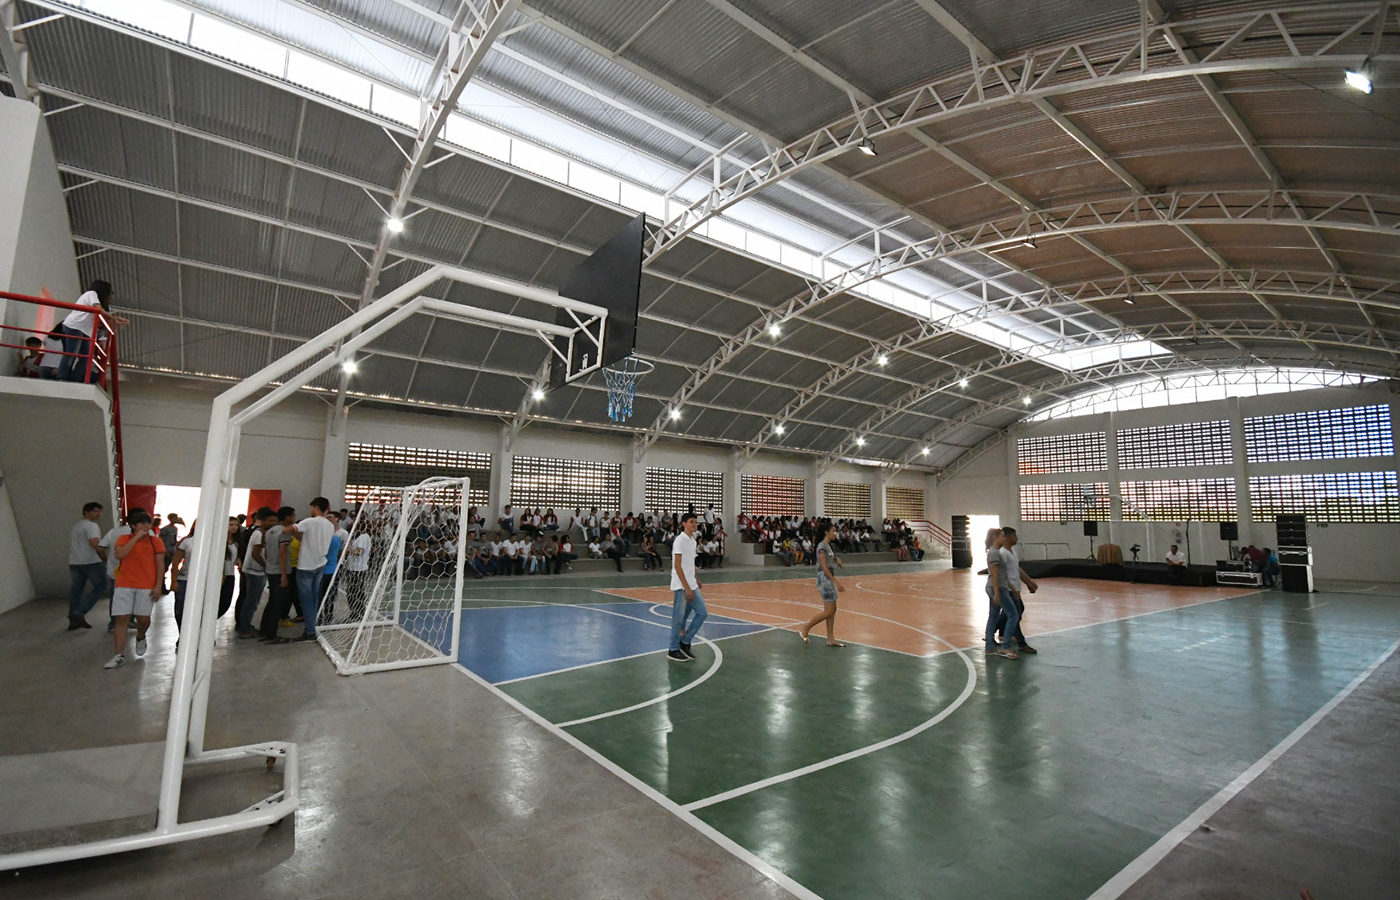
[{"x": 622, "y": 377}]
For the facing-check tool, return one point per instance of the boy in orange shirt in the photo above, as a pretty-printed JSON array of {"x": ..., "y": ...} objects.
[{"x": 140, "y": 570}]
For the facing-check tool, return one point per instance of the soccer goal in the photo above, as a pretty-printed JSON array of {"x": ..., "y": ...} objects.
[{"x": 395, "y": 600}]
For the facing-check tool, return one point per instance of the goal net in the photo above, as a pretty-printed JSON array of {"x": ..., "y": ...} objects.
[{"x": 395, "y": 600}]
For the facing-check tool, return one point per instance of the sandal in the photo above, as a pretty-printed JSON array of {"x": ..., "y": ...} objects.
[
  {"x": 804, "y": 638},
  {"x": 835, "y": 644}
]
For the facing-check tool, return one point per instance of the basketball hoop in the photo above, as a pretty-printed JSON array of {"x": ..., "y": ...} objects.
[{"x": 622, "y": 378}]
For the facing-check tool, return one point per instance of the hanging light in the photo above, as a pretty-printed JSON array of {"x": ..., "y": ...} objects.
[
  {"x": 882, "y": 360},
  {"x": 349, "y": 367},
  {"x": 537, "y": 394},
  {"x": 394, "y": 224},
  {"x": 775, "y": 330},
  {"x": 860, "y": 442},
  {"x": 675, "y": 414},
  {"x": 1360, "y": 79},
  {"x": 962, "y": 383},
  {"x": 778, "y": 429},
  {"x": 866, "y": 147}
]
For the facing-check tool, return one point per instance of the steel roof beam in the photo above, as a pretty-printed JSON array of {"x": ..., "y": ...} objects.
[
  {"x": 1124, "y": 56},
  {"x": 1346, "y": 211},
  {"x": 14, "y": 52},
  {"x": 1325, "y": 286}
]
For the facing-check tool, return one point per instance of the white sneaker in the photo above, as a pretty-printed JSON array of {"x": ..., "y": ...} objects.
[
  {"x": 115, "y": 662},
  {"x": 140, "y": 647}
]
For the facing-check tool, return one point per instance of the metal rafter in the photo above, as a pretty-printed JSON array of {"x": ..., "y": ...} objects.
[
  {"x": 1275, "y": 39},
  {"x": 1263, "y": 331},
  {"x": 14, "y": 50},
  {"x": 1361, "y": 212},
  {"x": 1330, "y": 287}
]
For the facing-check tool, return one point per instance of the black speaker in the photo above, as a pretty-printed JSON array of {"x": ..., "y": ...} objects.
[
  {"x": 1296, "y": 579},
  {"x": 1091, "y": 529},
  {"x": 961, "y": 546},
  {"x": 1292, "y": 530},
  {"x": 1229, "y": 531}
]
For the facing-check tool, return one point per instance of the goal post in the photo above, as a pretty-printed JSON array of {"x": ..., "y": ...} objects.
[{"x": 395, "y": 600}]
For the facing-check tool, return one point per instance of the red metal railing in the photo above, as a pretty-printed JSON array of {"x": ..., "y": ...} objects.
[{"x": 96, "y": 362}]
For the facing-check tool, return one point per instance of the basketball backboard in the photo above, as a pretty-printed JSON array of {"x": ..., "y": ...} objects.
[{"x": 611, "y": 278}]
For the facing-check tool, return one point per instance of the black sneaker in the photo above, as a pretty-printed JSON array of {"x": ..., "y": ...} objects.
[
  {"x": 685, "y": 648},
  {"x": 678, "y": 656},
  {"x": 303, "y": 638},
  {"x": 278, "y": 640},
  {"x": 75, "y": 622},
  {"x": 1026, "y": 648}
]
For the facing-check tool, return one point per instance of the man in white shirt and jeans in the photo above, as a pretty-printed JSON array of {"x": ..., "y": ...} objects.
[
  {"x": 688, "y": 602},
  {"x": 316, "y": 531},
  {"x": 85, "y": 566}
]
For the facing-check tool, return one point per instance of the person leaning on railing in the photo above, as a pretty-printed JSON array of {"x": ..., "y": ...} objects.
[{"x": 77, "y": 330}]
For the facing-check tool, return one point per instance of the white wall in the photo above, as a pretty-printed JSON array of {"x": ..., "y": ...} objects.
[
  {"x": 165, "y": 429},
  {"x": 16, "y": 585},
  {"x": 1341, "y": 551},
  {"x": 36, "y": 243}
]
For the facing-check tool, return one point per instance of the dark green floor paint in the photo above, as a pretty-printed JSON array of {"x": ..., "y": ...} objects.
[{"x": 1057, "y": 772}]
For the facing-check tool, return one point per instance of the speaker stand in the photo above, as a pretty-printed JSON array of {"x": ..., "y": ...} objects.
[{"x": 1091, "y": 547}]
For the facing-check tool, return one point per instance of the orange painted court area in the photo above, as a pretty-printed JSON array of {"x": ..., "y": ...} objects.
[{"x": 932, "y": 612}]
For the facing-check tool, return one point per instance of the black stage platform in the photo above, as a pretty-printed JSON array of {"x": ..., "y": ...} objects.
[{"x": 1142, "y": 573}]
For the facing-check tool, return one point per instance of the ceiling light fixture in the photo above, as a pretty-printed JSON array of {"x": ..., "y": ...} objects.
[
  {"x": 962, "y": 383},
  {"x": 1026, "y": 400},
  {"x": 923, "y": 452},
  {"x": 860, "y": 442},
  {"x": 675, "y": 414},
  {"x": 775, "y": 330},
  {"x": 778, "y": 429},
  {"x": 1129, "y": 300},
  {"x": 866, "y": 147},
  {"x": 1028, "y": 242},
  {"x": 538, "y": 394},
  {"x": 394, "y": 224},
  {"x": 1360, "y": 78},
  {"x": 882, "y": 359},
  {"x": 349, "y": 367}
]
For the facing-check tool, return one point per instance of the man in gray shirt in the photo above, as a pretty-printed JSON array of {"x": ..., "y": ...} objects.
[
  {"x": 999, "y": 594},
  {"x": 85, "y": 566}
]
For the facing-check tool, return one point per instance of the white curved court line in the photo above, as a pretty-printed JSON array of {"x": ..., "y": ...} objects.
[
  {"x": 862, "y": 751},
  {"x": 714, "y": 667},
  {"x": 740, "y": 852}
]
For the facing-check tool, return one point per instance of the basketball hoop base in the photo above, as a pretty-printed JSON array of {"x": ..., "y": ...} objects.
[{"x": 622, "y": 377}]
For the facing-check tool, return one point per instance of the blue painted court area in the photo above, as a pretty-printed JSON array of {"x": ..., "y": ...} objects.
[{"x": 506, "y": 643}]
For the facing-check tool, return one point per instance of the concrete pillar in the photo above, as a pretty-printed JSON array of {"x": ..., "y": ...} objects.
[
  {"x": 1240, "y": 469},
  {"x": 634, "y": 481},
  {"x": 500, "y": 476},
  {"x": 879, "y": 477},
  {"x": 812, "y": 501},
  {"x": 733, "y": 486},
  {"x": 1115, "y": 503},
  {"x": 335, "y": 459}
]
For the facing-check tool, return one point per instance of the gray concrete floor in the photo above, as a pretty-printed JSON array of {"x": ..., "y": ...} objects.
[{"x": 418, "y": 783}]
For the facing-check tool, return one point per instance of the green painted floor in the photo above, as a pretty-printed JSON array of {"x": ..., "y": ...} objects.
[{"x": 1055, "y": 773}]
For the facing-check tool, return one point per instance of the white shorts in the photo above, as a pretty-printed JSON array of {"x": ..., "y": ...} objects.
[{"x": 131, "y": 601}]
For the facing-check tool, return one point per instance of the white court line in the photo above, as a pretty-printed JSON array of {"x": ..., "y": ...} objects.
[
  {"x": 743, "y": 854},
  {"x": 714, "y": 667},
  {"x": 604, "y": 662},
  {"x": 861, "y": 751},
  {"x": 1115, "y": 886}
]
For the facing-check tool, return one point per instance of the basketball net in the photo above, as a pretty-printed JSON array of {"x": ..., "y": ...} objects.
[{"x": 622, "y": 377}]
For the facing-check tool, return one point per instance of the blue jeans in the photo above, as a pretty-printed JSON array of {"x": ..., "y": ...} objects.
[
  {"x": 248, "y": 596},
  {"x": 94, "y": 573},
  {"x": 683, "y": 609},
  {"x": 73, "y": 368},
  {"x": 309, "y": 591},
  {"x": 1013, "y": 619}
]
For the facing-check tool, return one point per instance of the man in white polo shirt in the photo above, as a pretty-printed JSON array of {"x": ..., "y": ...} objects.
[
  {"x": 688, "y": 603},
  {"x": 315, "y": 531}
]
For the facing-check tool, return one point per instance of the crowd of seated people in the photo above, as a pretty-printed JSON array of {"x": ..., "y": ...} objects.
[
  {"x": 792, "y": 538},
  {"x": 538, "y": 541}
]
